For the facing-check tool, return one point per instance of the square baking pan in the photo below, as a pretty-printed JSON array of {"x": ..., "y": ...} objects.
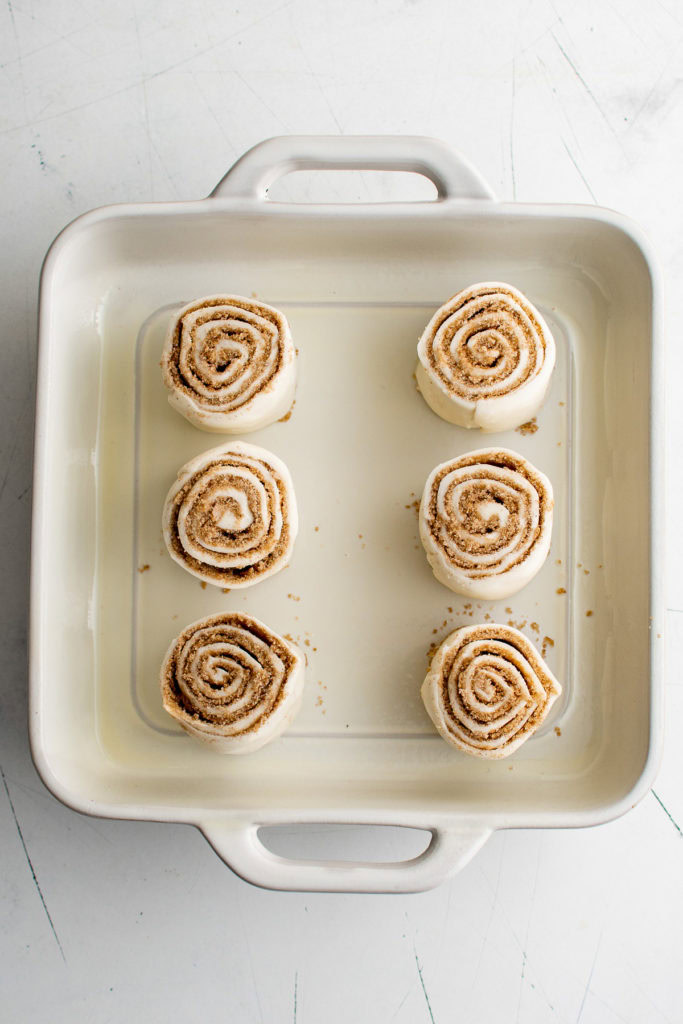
[{"x": 358, "y": 283}]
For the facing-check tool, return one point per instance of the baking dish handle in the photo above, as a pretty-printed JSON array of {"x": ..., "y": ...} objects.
[
  {"x": 252, "y": 175},
  {"x": 241, "y": 848}
]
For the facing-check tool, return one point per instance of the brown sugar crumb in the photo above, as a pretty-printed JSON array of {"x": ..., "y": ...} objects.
[
  {"x": 547, "y": 642},
  {"x": 203, "y": 584},
  {"x": 508, "y": 611},
  {"x": 174, "y": 616},
  {"x": 316, "y": 528},
  {"x": 433, "y": 648},
  {"x": 589, "y": 613},
  {"x": 288, "y": 415},
  {"x": 600, "y": 566},
  {"x": 527, "y": 428},
  {"x": 560, "y": 590},
  {"x": 450, "y": 610},
  {"x": 144, "y": 568},
  {"x": 467, "y": 607},
  {"x": 293, "y": 597},
  {"x": 535, "y": 626},
  {"x": 307, "y": 642},
  {"x": 315, "y": 648},
  {"x": 558, "y": 731},
  {"x": 226, "y": 590},
  {"x": 586, "y": 572},
  {"x": 487, "y": 617},
  {"x": 558, "y": 561},
  {"x": 561, "y": 403},
  {"x": 360, "y": 536},
  {"x": 319, "y": 702},
  {"x": 435, "y": 631},
  {"x": 659, "y": 636},
  {"x": 288, "y": 636},
  {"x": 415, "y": 505}
]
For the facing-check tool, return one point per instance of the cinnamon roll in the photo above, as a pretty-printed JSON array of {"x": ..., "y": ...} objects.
[
  {"x": 229, "y": 364},
  {"x": 230, "y": 518},
  {"x": 232, "y": 682},
  {"x": 488, "y": 689},
  {"x": 486, "y": 522},
  {"x": 485, "y": 358}
]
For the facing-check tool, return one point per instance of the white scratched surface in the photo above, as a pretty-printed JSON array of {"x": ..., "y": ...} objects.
[{"x": 553, "y": 100}]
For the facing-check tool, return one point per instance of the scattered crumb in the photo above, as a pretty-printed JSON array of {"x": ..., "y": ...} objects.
[
  {"x": 586, "y": 572},
  {"x": 254, "y": 295},
  {"x": 293, "y": 597},
  {"x": 316, "y": 528},
  {"x": 415, "y": 505},
  {"x": 487, "y": 617},
  {"x": 509, "y": 767},
  {"x": 288, "y": 415},
  {"x": 589, "y": 613},
  {"x": 559, "y": 444},
  {"x": 560, "y": 590},
  {"x": 659, "y": 636},
  {"x": 360, "y": 536},
  {"x": 527, "y": 428},
  {"x": 145, "y": 567},
  {"x": 558, "y": 731},
  {"x": 203, "y": 584},
  {"x": 435, "y": 631},
  {"x": 535, "y": 626},
  {"x": 547, "y": 642},
  {"x": 600, "y": 566},
  {"x": 578, "y": 565},
  {"x": 174, "y": 616},
  {"x": 561, "y": 403},
  {"x": 307, "y": 642},
  {"x": 288, "y": 636},
  {"x": 450, "y": 610},
  {"x": 467, "y": 607},
  {"x": 362, "y": 547},
  {"x": 558, "y": 561},
  {"x": 508, "y": 611},
  {"x": 445, "y": 622},
  {"x": 315, "y": 648},
  {"x": 319, "y": 702},
  {"x": 297, "y": 351},
  {"x": 517, "y": 625},
  {"x": 226, "y": 590}
]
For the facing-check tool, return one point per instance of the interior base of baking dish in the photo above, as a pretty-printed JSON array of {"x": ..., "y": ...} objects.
[{"x": 359, "y": 594}]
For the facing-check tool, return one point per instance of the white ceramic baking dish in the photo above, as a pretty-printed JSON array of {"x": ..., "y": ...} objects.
[{"x": 358, "y": 283}]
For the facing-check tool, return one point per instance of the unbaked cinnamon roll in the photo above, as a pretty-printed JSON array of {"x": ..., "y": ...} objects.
[
  {"x": 229, "y": 364},
  {"x": 232, "y": 682},
  {"x": 485, "y": 358},
  {"x": 231, "y": 518},
  {"x": 488, "y": 689},
  {"x": 486, "y": 522}
]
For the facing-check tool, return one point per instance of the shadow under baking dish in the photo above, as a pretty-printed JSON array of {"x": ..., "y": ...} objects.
[{"x": 359, "y": 597}]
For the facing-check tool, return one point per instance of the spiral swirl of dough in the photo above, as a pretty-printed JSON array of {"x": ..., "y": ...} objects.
[
  {"x": 485, "y": 358},
  {"x": 229, "y": 363},
  {"x": 486, "y": 522},
  {"x": 488, "y": 690},
  {"x": 229, "y": 680},
  {"x": 230, "y": 518}
]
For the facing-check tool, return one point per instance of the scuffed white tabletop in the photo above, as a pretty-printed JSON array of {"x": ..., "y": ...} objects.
[{"x": 120, "y": 921}]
